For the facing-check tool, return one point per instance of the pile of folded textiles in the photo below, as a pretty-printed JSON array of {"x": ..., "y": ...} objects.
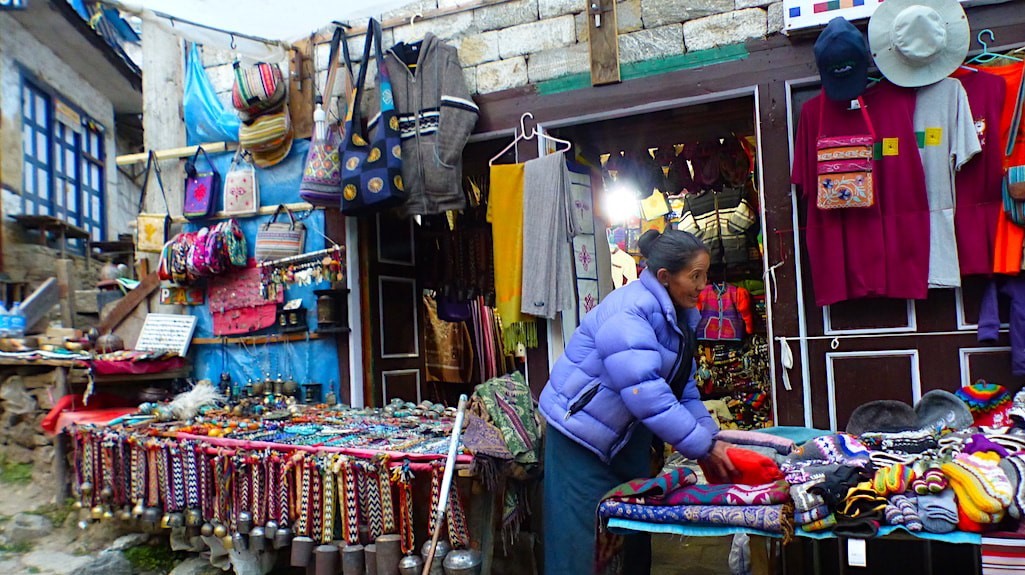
[{"x": 937, "y": 467}]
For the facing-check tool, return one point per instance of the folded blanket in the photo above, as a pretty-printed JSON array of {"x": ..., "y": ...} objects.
[
  {"x": 725, "y": 494},
  {"x": 742, "y": 438},
  {"x": 812, "y": 515},
  {"x": 645, "y": 490},
  {"x": 803, "y": 499},
  {"x": 771, "y": 518},
  {"x": 827, "y": 522}
]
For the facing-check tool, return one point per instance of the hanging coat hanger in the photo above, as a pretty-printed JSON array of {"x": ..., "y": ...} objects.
[
  {"x": 987, "y": 56},
  {"x": 525, "y": 135}
]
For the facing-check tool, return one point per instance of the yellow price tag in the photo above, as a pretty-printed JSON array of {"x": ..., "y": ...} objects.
[
  {"x": 933, "y": 136},
  {"x": 890, "y": 146}
]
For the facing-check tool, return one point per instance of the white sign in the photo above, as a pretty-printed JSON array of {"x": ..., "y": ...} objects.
[
  {"x": 799, "y": 14},
  {"x": 166, "y": 332}
]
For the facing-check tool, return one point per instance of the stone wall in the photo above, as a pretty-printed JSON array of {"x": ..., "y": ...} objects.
[
  {"x": 519, "y": 42},
  {"x": 20, "y": 52}
]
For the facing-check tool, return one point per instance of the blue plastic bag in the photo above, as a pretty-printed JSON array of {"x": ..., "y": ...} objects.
[{"x": 206, "y": 120}]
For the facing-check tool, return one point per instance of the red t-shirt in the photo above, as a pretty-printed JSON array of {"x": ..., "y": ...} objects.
[
  {"x": 881, "y": 251},
  {"x": 978, "y": 182}
]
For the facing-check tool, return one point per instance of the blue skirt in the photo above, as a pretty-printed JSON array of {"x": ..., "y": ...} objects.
[{"x": 574, "y": 482}]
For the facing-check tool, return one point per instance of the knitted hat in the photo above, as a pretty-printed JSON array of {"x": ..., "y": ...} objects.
[
  {"x": 939, "y": 410},
  {"x": 882, "y": 415},
  {"x": 752, "y": 468},
  {"x": 837, "y": 448},
  {"x": 1017, "y": 411},
  {"x": 1014, "y": 467},
  {"x": 894, "y": 479},
  {"x": 982, "y": 488},
  {"x": 988, "y": 402},
  {"x": 979, "y": 443},
  {"x": 938, "y": 512}
]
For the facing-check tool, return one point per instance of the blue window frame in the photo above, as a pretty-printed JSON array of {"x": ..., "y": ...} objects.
[{"x": 63, "y": 173}]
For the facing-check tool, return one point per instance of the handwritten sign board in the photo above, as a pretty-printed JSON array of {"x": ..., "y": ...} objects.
[
  {"x": 166, "y": 332},
  {"x": 798, "y": 14},
  {"x": 13, "y": 5}
]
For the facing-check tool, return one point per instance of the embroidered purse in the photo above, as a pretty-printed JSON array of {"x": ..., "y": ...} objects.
[
  {"x": 237, "y": 304},
  {"x": 241, "y": 191},
  {"x": 280, "y": 240},
  {"x": 152, "y": 230},
  {"x": 322, "y": 175},
  {"x": 372, "y": 164},
  {"x": 844, "y": 165},
  {"x": 200, "y": 187}
]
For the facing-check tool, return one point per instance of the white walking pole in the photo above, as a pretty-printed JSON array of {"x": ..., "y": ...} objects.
[{"x": 446, "y": 481}]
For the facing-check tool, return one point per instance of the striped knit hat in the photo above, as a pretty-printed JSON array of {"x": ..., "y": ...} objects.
[
  {"x": 988, "y": 402},
  {"x": 982, "y": 488}
]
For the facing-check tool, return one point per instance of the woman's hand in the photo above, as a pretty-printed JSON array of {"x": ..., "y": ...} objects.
[{"x": 717, "y": 465}]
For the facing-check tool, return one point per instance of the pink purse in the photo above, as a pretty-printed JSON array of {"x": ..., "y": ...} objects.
[{"x": 237, "y": 304}]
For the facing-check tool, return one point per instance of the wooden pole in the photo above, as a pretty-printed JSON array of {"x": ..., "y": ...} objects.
[{"x": 446, "y": 482}]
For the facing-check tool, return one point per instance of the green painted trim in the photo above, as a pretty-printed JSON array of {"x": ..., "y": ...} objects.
[{"x": 647, "y": 68}]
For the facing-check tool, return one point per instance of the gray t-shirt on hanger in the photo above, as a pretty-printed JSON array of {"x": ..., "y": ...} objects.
[{"x": 946, "y": 141}]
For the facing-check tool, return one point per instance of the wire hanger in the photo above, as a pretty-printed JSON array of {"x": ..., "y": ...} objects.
[
  {"x": 525, "y": 135},
  {"x": 986, "y": 55}
]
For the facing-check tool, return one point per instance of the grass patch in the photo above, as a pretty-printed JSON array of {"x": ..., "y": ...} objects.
[
  {"x": 34, "y": 570},
  {"x": 13, "y": 473},
  {"x": 158, "y": 558},
  {"x": 57, "y": 513},
  {"x": 24, "y": 547}
]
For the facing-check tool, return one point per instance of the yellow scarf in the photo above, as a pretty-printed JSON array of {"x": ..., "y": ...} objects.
[{"x": 505, "y": 213}]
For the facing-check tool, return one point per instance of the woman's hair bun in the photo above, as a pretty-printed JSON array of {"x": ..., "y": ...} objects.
[{"x": 646, "y": 241}]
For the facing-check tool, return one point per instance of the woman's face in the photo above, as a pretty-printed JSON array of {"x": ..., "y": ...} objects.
[{"x": 685, "y": 286}]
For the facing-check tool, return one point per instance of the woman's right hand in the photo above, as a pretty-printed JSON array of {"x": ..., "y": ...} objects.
[{"x": 717, "y": 465}]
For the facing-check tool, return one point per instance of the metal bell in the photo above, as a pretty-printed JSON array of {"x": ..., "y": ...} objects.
[
  {"x": 106, "y": 494},
  {"x": 228, "y": 542},
  {"x": 282, "y": 538},
  {"x": 220, "y": 531},
  {"x": 257, "y": 539},
  {"x": 165, "y": 521},
  {"x": 176, "y": 520},
  {"x": 77, "y": 505},
  {"x": 302, "y": 550},
  {"x": 238, "y": 541},
  {"x": 193, "y": 517},
  {"x": 86, "y": 488},
  {"x": 207, "y": 530},
  {"x": 125, "y": 514},
  {"x": 96, "y": 512},
  {"x": 270, "y": 529},
  {"x": 462, "y": 562},
  {"x": 138, "y": 509},
  {"x": 108, "y": 514},
  {"x": 411, "y": 565},
  {"x": 245, "y": 522},
  {"x": 151, "y": 516},
  {"x": 439, "y": 552}
]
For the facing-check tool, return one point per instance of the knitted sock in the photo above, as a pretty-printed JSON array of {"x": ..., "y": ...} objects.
[
  {"x": 982, "y": 488},
  {"x": 938, "y": 512},
  {"x": 908, "y": 508},
  {"x": 893, "y": 515},
  {"x": 893, "y": 479},
  {"x": 931, "y": 480}
]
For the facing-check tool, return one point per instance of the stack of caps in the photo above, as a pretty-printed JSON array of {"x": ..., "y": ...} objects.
[
  {"x": 988, "y": 403},
  {"x": 260, "y": 94}
]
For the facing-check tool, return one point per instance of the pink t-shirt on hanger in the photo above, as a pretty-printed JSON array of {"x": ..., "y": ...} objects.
[{"x": 883, "y": 250}]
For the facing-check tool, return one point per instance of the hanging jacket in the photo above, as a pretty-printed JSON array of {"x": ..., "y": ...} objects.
[
  {"x": 436, "y": 116},
  {"x": 720, "y": 219},
  {"x": 989, "y": 317},
  {"x": 615, "y": 371},
  {"x": 725, "y": 313}
]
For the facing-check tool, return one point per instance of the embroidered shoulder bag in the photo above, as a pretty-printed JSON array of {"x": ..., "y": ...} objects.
[
  {"x": 322, "y": 175},
  {"x": 152, "y": 229},
  {"x": 241, "y": 191},
  {"x": 844, "y": 165},
  {"x": 200, "y": 187},
  {"x": 372, "y": 161}
]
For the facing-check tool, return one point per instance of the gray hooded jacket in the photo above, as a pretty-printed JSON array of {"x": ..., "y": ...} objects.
[{"x": 436, "y": 116}]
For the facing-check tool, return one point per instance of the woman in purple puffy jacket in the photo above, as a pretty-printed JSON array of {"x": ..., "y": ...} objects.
[{"x": 625, "y": 384}]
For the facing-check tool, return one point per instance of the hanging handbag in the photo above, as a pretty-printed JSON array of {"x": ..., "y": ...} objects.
[
  {"x": 322, "y": 175},
  {"x": 844, "y": 166},
  {"x": 241, "y": 191},
  {"x": 152, "y": 230},
  {"x": 201, "y": 187},
  {"x": 238, "y": 305},
  {"x": 257, "y": 89},
  {"x": 280, "y": 240},
  {"x": 372, "y": 160}
]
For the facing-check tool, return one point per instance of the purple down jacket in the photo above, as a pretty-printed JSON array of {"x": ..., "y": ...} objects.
[{"x": 614, "y": 375}]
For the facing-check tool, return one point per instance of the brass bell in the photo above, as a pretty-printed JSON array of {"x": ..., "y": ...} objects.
[
  {"x": 207, "y": 530},
  {"x": 86, "y": 488},
  {"x": 96, "y": 512},
  {"x": 228, "y": 543},
  {"x": 108, "y": 514},
  {"x": 245, "y": 522},
  {"x": 270, "y": 529},
  {"x": 193, "y": 517},
  {"x": 138, "y": 509},
  {"x": 106, "y": 494},
  {"x": 78, "y": 505},
  {"x": 165, "y": 521},
  {"x": 125, "y": 514},
  {"x": 257, "y": 539},
  {"x": 282, "y": 538},
  {"x": 151, "y": 516},
  {"x": 176, "y": 520},
  {"x": 220, "y": 531}
]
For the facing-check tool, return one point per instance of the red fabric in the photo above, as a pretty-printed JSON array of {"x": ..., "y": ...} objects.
[
  {"x": 964, "y": 523},
  {"x": 978, "y": 182},
  {"x": 883, "y": 250},
  {"x": 754, "y": 468},
  {"x": 995, "y": 418},
  {"x": 74, "y": 404},
  {"x": 104, "y": 367}
]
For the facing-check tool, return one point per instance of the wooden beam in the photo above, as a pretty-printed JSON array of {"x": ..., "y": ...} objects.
[
  {"x": 176, "y": 153},
  {"x": 257, "y": 339},
  {"x": 123, "y": 309},
  {"x": 604, "y": 43},
  {"x": 38, "y": 305},
  {"x": 301, "y": 88}
]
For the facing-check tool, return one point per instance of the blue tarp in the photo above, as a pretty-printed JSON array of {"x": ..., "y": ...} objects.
[
  {"x": 306, "y": 361},
  {"x": 206, "y": 119}
]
